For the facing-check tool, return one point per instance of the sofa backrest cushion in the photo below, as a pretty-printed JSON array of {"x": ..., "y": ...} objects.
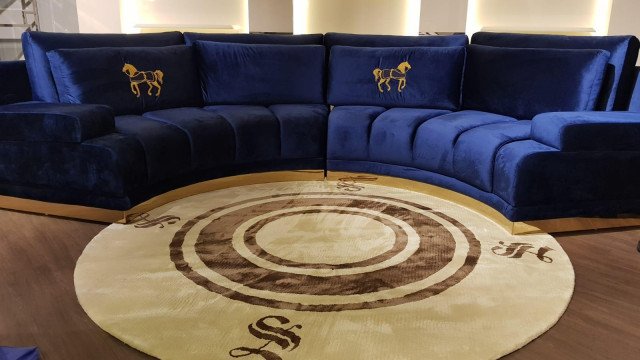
[
  {"x": 261, "y": 74},
  {"x": 36, "y": 45},
  {"x": 618, "y": 82},
  {"x": 331, "y": 39},
  {"x": 130, "y": 80},
  {"x": 15, "y": 82},
  {"x": 274, "y": 39},
  {"x": 426, "y": 77},
  {"x": 522, "y": 83},
  {"x": 634, "y": 104}
]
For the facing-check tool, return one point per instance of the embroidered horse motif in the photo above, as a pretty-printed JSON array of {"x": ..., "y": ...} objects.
[
  {"x": 151, "y": 78},
  {"x": 384, "y": 76}
]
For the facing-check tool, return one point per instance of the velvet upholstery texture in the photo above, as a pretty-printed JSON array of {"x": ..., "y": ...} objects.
[
  {"x": 130, "y": 80},
  {"x": 523, "y": 83},
  {"x": 348, "y": 131},
  {"x": 278, "y": 74},
  {"x": 393, "y": 133},
  {"x": 306, "y": 39},
  {"x": 15, "y": 82},
  {"x": 107, "y": 166},
  {"x": 623, "y": 49},
  {"x": 634, "y": 103},
  {"x": 554, "y": 207},
  {"x": 396, "y": 77},
  {"x": 435, "y": 140},
  {"x": 475, "y": 151},
  {"x": 588, "y": 131},
  {"x": 38, "y": 121},
  {"x": 36, "y": 44},
  {"x": 331, "y": 39},
  {"x": 532, "y": 175}
]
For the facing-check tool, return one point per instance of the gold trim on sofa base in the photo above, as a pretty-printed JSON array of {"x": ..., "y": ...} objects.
[
  {"x": 116, "y": 216},
  {"x": 518, "y": 227}
]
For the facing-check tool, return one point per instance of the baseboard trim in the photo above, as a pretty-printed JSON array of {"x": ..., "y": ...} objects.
[{"x": 516, "y": 228}]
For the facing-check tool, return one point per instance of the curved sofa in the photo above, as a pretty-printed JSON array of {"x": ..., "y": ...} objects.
[{"x": 533, "y": 126}]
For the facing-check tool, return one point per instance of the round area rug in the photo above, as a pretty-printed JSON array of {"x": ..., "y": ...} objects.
[{"x": 321, "y": 270}]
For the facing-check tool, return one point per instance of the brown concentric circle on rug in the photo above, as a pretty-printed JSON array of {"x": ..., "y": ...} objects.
[{"x": 402, "y": 282}]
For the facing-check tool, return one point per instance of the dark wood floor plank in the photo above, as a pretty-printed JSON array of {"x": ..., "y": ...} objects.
[{"x": 38, "y": 305}]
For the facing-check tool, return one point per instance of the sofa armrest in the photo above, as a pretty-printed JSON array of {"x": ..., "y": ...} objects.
[
  {"x": 39, "y": 121},
  {"x": 588, "y": 131}
]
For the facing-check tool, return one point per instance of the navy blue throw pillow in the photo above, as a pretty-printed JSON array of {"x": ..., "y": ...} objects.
[
  {"x": 422, "y": 77},
  {"x": 130, "y": 80},
  {"x": 261, "y": 74},
  {"x": 522, "y": 83}
]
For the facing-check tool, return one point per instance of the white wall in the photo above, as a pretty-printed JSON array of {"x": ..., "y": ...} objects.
[
  {"x": 271, "y": 16},
  {"x": 443, "y": 16},
  {"x": 199, "y": 14},
  {"x": 543, "y": 16},
  {"x": 624, "y": 18},
  {"x": 99, "y": 16},
  {"x": 400, "y": 17},
  {"x": 58, "y": 15}
]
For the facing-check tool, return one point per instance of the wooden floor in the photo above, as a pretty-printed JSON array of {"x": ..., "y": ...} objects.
[{"x": 38, "y": 305}]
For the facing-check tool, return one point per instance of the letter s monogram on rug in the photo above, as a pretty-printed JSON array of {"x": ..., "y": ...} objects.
[
  {"x": 153, "y": 79},
  {"x": 283, "y": 337},
  {"x": 517, "y": 250},
  {"x": 384, "y": 76}
]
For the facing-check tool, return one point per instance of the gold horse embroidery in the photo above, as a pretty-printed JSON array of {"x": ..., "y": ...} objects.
[
  {"x": 384, "y": 76},
  {"x": 152, "y": 78}
]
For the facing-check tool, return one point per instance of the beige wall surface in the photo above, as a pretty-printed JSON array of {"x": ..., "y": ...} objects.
[
  {"x": 101, "y": 16},
  {"x": 544, "y": 16},
  {"x": 271, "y": 16},
  {"x": 399, "y": 17},
  {"x": 443, "y": 16},
  {"x": 198, "y": 14}
]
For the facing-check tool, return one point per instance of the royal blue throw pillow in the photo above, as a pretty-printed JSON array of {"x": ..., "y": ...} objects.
[
  {"x": 36, "y": 44},
  {"x": 130, "y": 80},
  {"x": 261, "y": 74},
  {"x": 424, "y": 77},
  {"x": 523, "y": 83}
]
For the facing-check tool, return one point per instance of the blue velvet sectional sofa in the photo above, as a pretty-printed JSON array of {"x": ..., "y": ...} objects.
[{"x": 534, "y": 126}]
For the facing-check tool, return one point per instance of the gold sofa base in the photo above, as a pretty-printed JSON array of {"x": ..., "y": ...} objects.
[{"x": 349, "y": 178}]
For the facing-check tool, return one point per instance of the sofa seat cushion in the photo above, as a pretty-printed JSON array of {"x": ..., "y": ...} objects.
[
  {"x": 166, "y": 147},
  {"x": 241, "y": 74},
  {"x": 303, "y": 130},
  {"x": 130, "y": 80},
  {"x": 393, "y": 132},
  {"x": 475, "y": 151},
  {"x": 619, "y": 77},
  {"x": 523, "y": 83},
  {"x": 36, "y": 44},
  {"x": 211, "y": 137},
  {"x": 434, "y": 143},
  {"x": 414, "y": 77},
  {"x": 282, "y": 131},
  {"x": 349, "y": 130}
]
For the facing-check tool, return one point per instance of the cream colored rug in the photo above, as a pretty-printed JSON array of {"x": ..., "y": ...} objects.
[{"x": 321, "y": 270}]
